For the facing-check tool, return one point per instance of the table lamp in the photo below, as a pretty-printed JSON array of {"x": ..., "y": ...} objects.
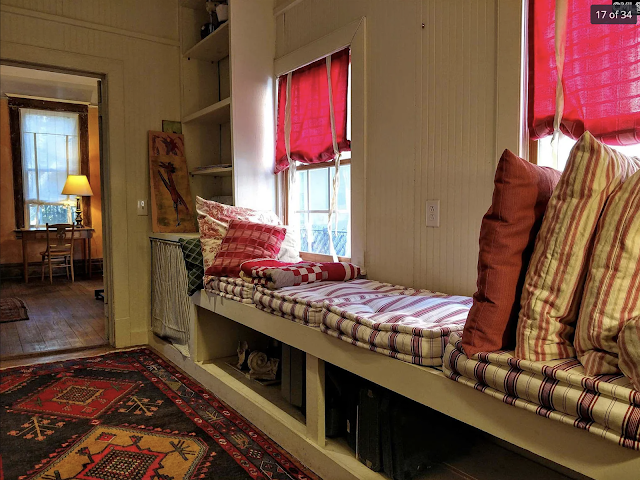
[{"x": 77, "y": 185}]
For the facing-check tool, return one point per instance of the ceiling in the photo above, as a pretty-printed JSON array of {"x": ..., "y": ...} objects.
[{"x": 44, "y": 84}]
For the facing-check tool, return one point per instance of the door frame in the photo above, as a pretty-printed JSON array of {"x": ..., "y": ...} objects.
[{"x": 110, "y": 72}]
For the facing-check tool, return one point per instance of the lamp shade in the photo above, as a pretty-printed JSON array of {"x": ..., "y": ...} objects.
[{"x": 77, "y": 185}]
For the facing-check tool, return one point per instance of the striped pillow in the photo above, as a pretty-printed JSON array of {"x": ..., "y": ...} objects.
[
  {"x": 612, "y": 291},
  {"x": 629, "y": 348},
  {"x": 554, "y": 280}
]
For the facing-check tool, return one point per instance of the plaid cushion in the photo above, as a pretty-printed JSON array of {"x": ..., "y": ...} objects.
[
  {"x": 192, "y": 254},
  {"x": 605, "y": 405},
  {"x": 275, "y": 274},
  {"x": 245, "y": 241},
  {"x": 229, "y": 287}
]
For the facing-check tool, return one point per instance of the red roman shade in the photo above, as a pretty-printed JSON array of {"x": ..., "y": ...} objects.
[
  {"x": 311, "y": 139},
  {"x": 600, "y": 73}
]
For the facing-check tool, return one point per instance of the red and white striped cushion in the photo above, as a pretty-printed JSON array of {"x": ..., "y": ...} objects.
[
  {"x": 245, "y": 241},
  {"x": 554, "y": 280},
  {"x": 612, "y": 290}
]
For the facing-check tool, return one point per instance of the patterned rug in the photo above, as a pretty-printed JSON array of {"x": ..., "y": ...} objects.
[
  {"x": 127, "y": 415},
  {"x": 12, "y": 309}
]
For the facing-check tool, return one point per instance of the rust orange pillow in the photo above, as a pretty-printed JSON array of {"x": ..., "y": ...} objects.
[{"x": 507, "y": 237}]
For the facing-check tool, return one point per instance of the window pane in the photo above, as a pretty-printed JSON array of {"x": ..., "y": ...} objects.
[
  {"x": 301, "y": 202},
  {"x": 319, "y": 185},
  {"x": 53, "y": 214},
  {"x": 545, "y": 151},
  {"x": 341, "y": 233},
  {"x": 344, "y": 188},
  {"x": 317, "y": 232}
]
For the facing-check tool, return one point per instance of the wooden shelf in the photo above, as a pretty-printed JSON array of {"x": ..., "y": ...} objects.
[
  {"x": 213, "y": 47},
  {"x": 269, "y": 393},
  {"x": 214, "y": 171},
  {"x": 215, "y": 114}
]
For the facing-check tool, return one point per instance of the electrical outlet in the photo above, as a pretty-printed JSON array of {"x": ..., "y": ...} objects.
[
  {"x": 142, "y": 207},
  {"x": 433, "y": 213}
]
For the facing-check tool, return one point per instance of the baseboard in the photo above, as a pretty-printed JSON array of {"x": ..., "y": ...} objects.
[{"x": 9, "y": 271}]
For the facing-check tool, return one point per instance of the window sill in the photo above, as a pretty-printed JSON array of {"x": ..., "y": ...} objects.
[{"x": 319, "y": 257}]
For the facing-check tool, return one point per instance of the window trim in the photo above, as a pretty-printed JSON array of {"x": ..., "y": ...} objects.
[
  {"x": 15, "y": 104},
  {"x": 352, "y": 35}
]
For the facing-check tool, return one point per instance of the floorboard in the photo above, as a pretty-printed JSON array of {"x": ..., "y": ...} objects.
[{"x": 63, "y": 315}]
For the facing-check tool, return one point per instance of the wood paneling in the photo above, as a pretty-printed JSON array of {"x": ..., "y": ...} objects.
[{"x": 431, "y": 129}]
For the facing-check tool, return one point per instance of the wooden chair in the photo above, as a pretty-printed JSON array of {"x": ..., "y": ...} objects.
[{"x": 59, "y": 247}]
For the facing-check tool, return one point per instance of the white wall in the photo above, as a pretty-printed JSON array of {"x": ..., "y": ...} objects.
[
  {"x": 431, "y": 119},
  {"x": 137, "y": 44}
]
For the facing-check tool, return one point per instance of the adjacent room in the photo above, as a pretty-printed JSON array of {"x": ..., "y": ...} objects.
[
  {"x": 51, "y": 228},
  {"x": 320, "y": 239}
]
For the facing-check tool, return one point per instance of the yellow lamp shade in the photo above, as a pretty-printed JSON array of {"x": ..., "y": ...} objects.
[{"x": 77, "y": 185}]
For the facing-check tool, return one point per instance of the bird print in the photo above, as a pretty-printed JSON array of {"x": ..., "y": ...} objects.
[{"x": 170, "y": 185}]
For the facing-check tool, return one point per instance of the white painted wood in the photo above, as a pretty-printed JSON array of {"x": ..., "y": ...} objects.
[
  {"x": 328, "y": 44},
  {"x": 252, "y": 49},
  {"x": 214, "y": 171},
  {"x": 281, "y": 6},
  {"x": 562, "y": 444},
  {"x": 213, "y": 47},
  {"x": 141, "y": 88},
  {"x": 216, "y": 114},
  {"x": 315, "y": 391},
  {"x": 335, "y": 461}
]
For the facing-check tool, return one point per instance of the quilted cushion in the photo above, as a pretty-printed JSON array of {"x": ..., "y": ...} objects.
[
  {"x": 553, "y": 284},
  {"x": 507, "y": 237},
  {"x": 245, "y": 241},
  {"x": 192, "y": 253},
  {"x": 213, "y": 220},
  {"x": 629, "y": 351},
  {"x": 612, "y": 290}
]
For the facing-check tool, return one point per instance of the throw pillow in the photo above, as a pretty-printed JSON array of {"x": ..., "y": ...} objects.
[
  {"x": 192, "y": 253},
  {"x": 553, "y": 284},
  {"x": 246, "y": 241},
  {"x": 612, "y": 290},
  {"x": 290, "y": 248},
  {"x": 507, "y": 237},
  {"x": 213, "y": 220}
]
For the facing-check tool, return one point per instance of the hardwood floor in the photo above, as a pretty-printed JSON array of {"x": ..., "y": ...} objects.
[{"x": 62, "y": 315}]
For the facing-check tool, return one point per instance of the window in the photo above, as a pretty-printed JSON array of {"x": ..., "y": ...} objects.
[
  {"x": 50, "y": 152},
  {"x": 49, "y": 141},
  {"x": 579, "y": 81},
  {"x": 314, "y": 185},
  {"x": 314, "y": 140},
  {"x": 545, "y": 152}
]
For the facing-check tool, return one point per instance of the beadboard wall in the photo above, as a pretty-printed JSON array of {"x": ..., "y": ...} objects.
[
  {"x": 138, "y": 42},
  {"x": 432, "y": 112}
]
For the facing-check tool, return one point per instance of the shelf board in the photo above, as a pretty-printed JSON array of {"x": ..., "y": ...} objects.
[
  {"x": 213, "y": 47},
  {"x": 269, "y": 393},
  {"x": 214, "y": 171},
  {"x": 215, "y": 114}
]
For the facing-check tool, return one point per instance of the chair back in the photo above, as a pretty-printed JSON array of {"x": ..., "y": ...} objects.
[{"x": 59, "y": 232}]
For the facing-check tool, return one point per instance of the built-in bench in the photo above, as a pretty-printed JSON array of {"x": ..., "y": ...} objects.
[{"x": 221, "y": 323}]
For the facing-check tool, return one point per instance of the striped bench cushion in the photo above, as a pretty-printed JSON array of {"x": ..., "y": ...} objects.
[
  {"x": 605, "y": 405},
  {"x": 304, "y": 303},
  {"x": 413, "y": 328},
  {"x": 230, "y": 287}
]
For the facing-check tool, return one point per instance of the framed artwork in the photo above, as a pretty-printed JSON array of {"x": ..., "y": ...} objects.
[{"x": 172, "y": 210}]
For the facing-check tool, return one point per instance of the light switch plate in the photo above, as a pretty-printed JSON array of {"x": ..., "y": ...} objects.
[
  {"x": 143, "y": 208},
  {"x": 433, "y": 213}
]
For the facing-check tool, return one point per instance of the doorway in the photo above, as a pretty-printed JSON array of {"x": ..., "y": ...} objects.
[{"x": 51, "y": 228}]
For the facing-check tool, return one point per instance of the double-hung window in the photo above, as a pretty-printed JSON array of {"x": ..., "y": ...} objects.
[
  {"x": 50, "y": 152},
  {"x": 583, "y": 76},
  {"x": 49, "y": 143},
  {"x": 314, "y": 126}
]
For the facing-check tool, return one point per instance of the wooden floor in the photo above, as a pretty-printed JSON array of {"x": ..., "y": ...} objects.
[{"x": 62, "y": 315}]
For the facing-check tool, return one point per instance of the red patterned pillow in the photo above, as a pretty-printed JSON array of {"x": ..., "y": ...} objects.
[{"x": 245, "y": 241}]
